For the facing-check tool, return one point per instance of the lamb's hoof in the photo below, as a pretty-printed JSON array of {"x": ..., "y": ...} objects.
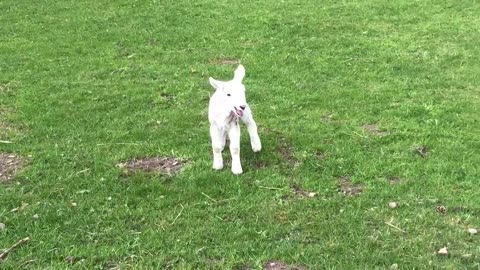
[
  {"x": 217, "y": 166},
  {"x": 256, "y": 148},
  {"x": 237, "y": 171}
]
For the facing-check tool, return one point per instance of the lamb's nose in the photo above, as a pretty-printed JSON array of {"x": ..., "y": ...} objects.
[{"x": 243, "y": 107}]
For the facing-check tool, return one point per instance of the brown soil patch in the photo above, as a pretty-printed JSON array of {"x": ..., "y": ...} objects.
[
  {"x": 166, "y": 100},
  {"x": 441, "y": 209},
  {"x": 465, "y": 210},
  {"x": 347, "y": 188},
  {"x": 393, "y": 180},
  {"x": 258, "y": 164},
  {"x": 302, "y": 193},
  {"x": 3, "y": 112},
  {"x": 5, "y": 128},
  {"x": 422, "y": 150},
  {"x": 457, "y": 209},
  {"x": 225, "y": 61},
  {"x": 111, "y": 266},
  {"x": 320, "y": 155},
  {"x": 72, "y": 259},
  {"x": 167, "y": 96},
  {"x": 163, "y": 165},
  {"x": 5, "y": 87},
  {"x": 10, "y": 164},
  {"x": 285, "y": 150},
  {"x": 215, "y": 261},
  {"x": 242, "y": 267},
  {"x": 278, "y": 265},
  {"x": 374, "y": 129},
  {"x": 327, "y": 117}
]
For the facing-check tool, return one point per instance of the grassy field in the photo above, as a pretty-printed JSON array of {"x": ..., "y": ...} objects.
[{"x": 359, "y": 104}]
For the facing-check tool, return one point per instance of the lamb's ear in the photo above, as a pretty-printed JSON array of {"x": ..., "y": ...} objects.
[
  {"x": 239, "y": 74},
  {"x": 216, "y": 84}
]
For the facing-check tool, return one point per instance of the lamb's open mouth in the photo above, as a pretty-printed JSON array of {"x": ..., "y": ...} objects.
[{"x": 238, "y": 112}]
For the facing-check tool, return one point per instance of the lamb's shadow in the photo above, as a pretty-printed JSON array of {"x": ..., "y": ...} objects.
[{"x": 277, "y": 153}]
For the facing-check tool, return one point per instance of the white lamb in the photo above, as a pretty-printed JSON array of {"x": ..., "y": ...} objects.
[{"x": 226, "y": 106}]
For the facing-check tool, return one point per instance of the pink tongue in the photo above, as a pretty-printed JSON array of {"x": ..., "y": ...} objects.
[{"x": 240, "y": 112}]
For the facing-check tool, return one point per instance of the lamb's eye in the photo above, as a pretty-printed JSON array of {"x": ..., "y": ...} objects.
[{"x": 228, "y": 95}]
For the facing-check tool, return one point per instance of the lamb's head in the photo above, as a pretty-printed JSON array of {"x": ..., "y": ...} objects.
[{"x": 231, "y": 94}]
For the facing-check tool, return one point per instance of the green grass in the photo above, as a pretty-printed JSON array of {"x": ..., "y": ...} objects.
[{"x": 89, "y": 84}]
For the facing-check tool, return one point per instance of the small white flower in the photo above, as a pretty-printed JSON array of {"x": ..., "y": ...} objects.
[
  {"x": 392, "y": 205},
  {"x": 443, "y": 251}
]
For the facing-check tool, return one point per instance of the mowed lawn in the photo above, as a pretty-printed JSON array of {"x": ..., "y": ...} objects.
[{"x": 359, "y": 104}]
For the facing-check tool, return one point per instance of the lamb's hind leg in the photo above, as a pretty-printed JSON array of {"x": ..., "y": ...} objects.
[
  {"x": 218, "y": 142},
  {"x": 252, "y": 130}
]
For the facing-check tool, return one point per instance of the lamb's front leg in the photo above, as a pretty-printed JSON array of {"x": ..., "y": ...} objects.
[
  {"x": 234, "y": 135},
  {"x": 218, "y": 142},
  {"x": 252, "y": 130}
]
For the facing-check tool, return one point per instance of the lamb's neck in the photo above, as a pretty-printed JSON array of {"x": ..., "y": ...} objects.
[{"x": 227, "y": 118}]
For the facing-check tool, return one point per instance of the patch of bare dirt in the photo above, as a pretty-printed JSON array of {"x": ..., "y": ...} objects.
[
  {"x": 111, "y": 266},
  {"x": 6, "y": 87},
  {"x": 320, "y": 155},
  {"x": 72, "y": 259},
  {"x": 166, "y": 100},
  {"x": 260, "y": 164},
  {"x": 242, "y": 267},
  {"x": 225, "y": 61},
  {"x": 5, "y": 128},
  {"x": 348, "y": 188},
  {"x": 466, "y": 210},
  {"x": 422, "y": 150},
  {"x": 374, "y": 129},
  {"x": 441, "y": 209},
  {"x": 278, "y": 265},
  {"x": 8, "y": 128},
  {"x": 457, "y": 209},
  {"x": 327, "y": 117},
  {"x": 286, "y": 151},
  {"x": 167, "y": 96},
  {"x": 393, "y": 180},
  {"x": 302, "y": 193},
  {"x": 10, "y": 164},
  {"x": 163, "y": 165},
  {"x": 215, "y": 261}
]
